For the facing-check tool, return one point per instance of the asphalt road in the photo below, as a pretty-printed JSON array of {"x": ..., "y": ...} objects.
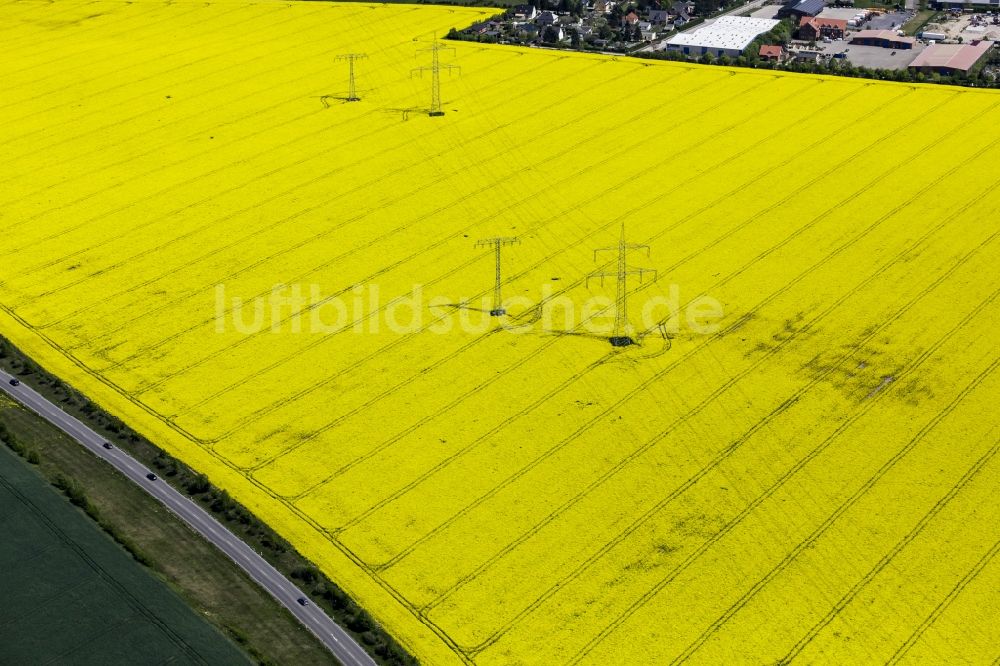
[{"x": 338, "y": 641}]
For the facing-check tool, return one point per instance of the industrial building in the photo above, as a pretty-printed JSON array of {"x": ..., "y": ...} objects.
[
  {"x": 802, "y": 8},
  {"x": 729, "y": 36},
  {"x": 887, "y": 39},
  {"x": 951, "y": 58},
  {"x": 967, "y": 5}
]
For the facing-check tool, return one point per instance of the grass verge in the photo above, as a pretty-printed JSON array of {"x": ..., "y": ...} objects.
[{"x": 919, "y": 20}]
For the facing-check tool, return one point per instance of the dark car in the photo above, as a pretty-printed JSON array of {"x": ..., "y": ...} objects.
[
  {"x": 151, "y": 476},
  {"x": 107, "y": 445},
  {"x": 303, "y": 601},
  {"x": 14, "y": 381}
]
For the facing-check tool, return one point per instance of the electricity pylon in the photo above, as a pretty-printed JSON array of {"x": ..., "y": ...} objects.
[
  {"x": 620, "y": 335},
  {"x": 351, "y": 58},
  {"x": 496, "y": 244},
  {"x": 435, "y": 70}
]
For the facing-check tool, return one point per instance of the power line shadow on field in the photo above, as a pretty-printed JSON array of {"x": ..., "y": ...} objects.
[
  {"x": 343, "y": 98},
  {"x": 648, "y": 345},
  {"x": 657, "y": 347},
  {"x": 406, "y": 111},
  {"x": 461, "y": 306},
  {"x": 660, "y": 338},
  {"x": 603, "y": 337},
  {"x": 506, "y": 322}
]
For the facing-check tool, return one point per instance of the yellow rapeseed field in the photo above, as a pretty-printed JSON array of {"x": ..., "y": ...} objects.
[{"x": 283, "y": 289}]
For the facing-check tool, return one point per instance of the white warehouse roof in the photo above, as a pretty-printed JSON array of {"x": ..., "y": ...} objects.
[{"x": 728, "y": 32}]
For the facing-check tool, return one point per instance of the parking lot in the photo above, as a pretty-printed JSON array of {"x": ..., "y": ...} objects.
[
  {"x": 871, "y": 56},
  {"x": 767, "y": 11},
  {"x": 889, "y": 21}
]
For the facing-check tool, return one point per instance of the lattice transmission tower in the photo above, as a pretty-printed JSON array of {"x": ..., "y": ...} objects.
[
  {"x": 352, "y": 88},
  {"x": 620, "y": 335},
  {"x": 496, "y": 244},
  {"x": 435, "y": 70}
]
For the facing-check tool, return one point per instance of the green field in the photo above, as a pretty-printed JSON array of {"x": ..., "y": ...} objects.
[{"x": 71, "y": 595}]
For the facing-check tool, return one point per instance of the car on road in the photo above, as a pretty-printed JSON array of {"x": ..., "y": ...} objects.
[
  {"x": 14, "y": 381},
  {"x": 303, "y": 601},
  {"x": 107, "y": 445},
  {"x": 151, "y": 476}
]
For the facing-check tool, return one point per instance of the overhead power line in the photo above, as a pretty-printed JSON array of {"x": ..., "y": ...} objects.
[
  {"x": 620, "y": 336},
  {"x": 352, "y": 89},
  {"x": 496, "y": 243},
  {"x": 435, "y": 70}
]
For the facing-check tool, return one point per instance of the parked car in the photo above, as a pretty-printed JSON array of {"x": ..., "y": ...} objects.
[{"x": 14, "y": 381}]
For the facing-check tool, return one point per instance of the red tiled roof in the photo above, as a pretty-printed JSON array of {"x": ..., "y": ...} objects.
[
  {"x": 770, "y": 50},
  {"x": 823, "y": 22},
  {"x": 952, "y": 56}
]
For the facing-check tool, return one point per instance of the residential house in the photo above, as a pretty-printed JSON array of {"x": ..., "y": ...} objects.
[
  {"x": 529, "y": 30},
  {"x": 814, "y": 28},
  {"x": 525, "y": 12},
  {"x": 478, "y": 28},
  {"x": 659, "y": 16},
  {"x": 648, "y": 31},
  {"x": 681, "y": 14},
  {"x": 559, "y": 33},
  {"x": 547, "y": 18},
  {"x": 772, "y": 53}
]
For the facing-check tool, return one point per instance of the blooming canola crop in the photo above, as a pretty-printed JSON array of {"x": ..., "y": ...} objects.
[{"x": 284, "y": 289}]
